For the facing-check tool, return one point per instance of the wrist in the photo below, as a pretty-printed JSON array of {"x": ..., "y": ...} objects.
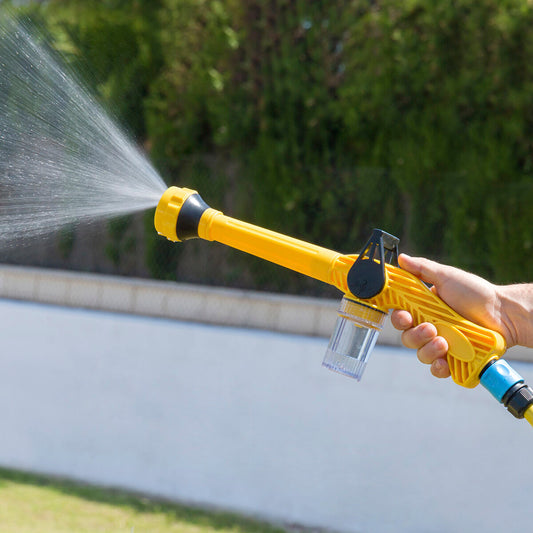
[{"x": 516, "y": 313}]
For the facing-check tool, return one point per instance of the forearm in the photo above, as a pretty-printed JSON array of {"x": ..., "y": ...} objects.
[{"x": 517, "y": 313}]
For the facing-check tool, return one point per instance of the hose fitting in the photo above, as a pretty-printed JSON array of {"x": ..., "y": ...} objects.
[
  {"x": 508, "y": 387},
  {"x": 518, "y": 400}
]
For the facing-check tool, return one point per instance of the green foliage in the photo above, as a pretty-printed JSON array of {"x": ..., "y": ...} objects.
[
  {"x": 325, "y": 119},
  {"x": 257, "y": 82},
  {"x": 441, "y": 92},
  {"x": 190, "y": 104},
  {"x": 414, "y": 116},
  {"x": 120, "y": 243},
  {"x": 112, "y": 44},
  {"x": 161, "y": 259}
]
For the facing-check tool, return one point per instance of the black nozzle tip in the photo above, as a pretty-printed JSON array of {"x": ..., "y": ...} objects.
[{"x": 189, "y": 217}]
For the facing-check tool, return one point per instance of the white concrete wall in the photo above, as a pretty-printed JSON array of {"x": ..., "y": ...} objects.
[
  {"x": 208, "y": 305},
  {"x": 211, "y": 305},
  {"x": 249, "y": 420}
]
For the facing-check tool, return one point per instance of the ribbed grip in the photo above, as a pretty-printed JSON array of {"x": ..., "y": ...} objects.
[{"x": 471, "y": 346}]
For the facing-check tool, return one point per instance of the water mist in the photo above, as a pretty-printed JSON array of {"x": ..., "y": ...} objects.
[{"x": 62, "y": 159}]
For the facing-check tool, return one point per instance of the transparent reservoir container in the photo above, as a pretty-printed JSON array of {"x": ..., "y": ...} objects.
[{"x": 353, "y": 338}]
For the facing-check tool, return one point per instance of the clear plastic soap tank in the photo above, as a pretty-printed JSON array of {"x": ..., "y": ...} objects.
[{"x": 353, "y": 338}]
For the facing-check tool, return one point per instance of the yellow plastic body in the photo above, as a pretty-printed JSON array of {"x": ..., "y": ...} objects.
[
  {"x": 528, "y": 415},
  {"x": 168, "y": 209},
  {"x": 471, "y": 346}
]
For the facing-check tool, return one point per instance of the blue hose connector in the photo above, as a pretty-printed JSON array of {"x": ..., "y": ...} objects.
[{"x": 499, "y": 377}]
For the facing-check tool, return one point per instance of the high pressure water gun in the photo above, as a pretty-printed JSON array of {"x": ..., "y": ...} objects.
[{"x": 372, "y": 284}]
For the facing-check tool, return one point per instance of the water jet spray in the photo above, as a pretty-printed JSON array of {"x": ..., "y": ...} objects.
[
  {"x": 372, "y": 284},
  {"x": 63, "y": 160}
]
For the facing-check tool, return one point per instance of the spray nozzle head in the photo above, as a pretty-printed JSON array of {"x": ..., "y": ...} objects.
[
  {"x": 178, "y": 214},
  {"x": 353, "y": 338}
]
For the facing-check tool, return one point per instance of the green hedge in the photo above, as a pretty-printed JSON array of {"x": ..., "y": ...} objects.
[{"x": 325, "y": 119}]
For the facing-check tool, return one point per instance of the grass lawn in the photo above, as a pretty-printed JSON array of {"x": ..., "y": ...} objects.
[{"x": 31, "y": 503}]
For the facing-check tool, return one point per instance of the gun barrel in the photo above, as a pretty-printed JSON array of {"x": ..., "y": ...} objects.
[{"x": 182, "y": 214}]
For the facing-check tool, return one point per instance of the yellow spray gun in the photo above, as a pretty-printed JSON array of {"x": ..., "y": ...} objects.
[{"x": 372, "y": 284}]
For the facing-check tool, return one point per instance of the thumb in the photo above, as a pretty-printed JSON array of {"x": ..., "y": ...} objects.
[{"x": 425, "y": 269}]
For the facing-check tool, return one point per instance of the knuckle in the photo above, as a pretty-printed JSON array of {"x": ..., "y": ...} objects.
[
  {"x": 433, "y": 350},
  {"x": 409, "y": 339},
  {"x": 419, "y": 336},
  {"x": 425, "y": 355}
]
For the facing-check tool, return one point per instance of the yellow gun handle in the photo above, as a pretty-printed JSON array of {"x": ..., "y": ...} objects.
[
  {"x": 182, "y": 214},
  {"x": 470, "y": 346}
]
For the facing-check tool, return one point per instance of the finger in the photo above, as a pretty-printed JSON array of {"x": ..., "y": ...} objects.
[
  {"x": 401, "y": 320},
  {"x": 418, "y": 336},
  {"x": 425, "y": 269},
  {"x": 440, "y": 368},
  {"x": 436, "y": 348}
]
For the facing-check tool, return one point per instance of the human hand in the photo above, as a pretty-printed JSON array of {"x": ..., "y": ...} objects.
[{"x": 471, "y": 296}]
